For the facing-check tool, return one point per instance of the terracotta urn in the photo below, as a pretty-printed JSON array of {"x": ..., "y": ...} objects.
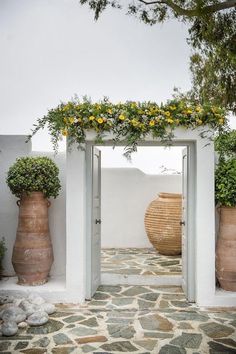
[
  {"x": 226, "y": 249},
  {"x": 32, "y": 256},
  {"x": 162, "y": 223}
]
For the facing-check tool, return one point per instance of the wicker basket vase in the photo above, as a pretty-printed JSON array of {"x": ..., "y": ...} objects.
[{"x": 162, "y": 223}]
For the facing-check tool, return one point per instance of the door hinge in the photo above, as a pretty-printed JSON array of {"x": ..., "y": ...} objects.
[{"x": 98, "y": 221}]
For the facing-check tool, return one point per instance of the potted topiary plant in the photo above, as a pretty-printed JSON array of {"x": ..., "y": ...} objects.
[
  {"x": 225, "y": 192},
  {"x": 2, "y": 253},
  {"x": 33, "y": 180}
]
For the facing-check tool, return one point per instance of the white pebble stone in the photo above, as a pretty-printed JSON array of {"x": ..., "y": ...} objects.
[
  {"x": 28, "y": 307},
  {"x": 14, "y": 314},
  {"x": 9, "y": 328},
  {"x": 37, "y": 319},
  {"x": 36, "y": 299},
  {"x": 6, "y": 299},
  {"x": 49, "y": 308},
  {"x": 22, "y": 325},
  {"x": 17, "y": 301}
]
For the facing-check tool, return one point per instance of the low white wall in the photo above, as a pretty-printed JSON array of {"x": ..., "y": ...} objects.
[
  {"x": 126, "y": 193},
  {"x": 11, "y": 147}
]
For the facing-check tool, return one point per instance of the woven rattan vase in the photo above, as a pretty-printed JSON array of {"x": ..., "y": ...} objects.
[{"x": 162, "y": 223}]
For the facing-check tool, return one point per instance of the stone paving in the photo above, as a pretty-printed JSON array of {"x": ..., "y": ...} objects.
[
  {"x": 138, "y": 261},
  {"x": 130, "y": 319}
]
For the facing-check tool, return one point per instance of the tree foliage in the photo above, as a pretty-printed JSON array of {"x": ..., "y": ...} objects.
[{"x": 212, "y": 35}]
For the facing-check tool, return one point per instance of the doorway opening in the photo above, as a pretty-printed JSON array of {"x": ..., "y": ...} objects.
[{"x": 119, "y": 251}]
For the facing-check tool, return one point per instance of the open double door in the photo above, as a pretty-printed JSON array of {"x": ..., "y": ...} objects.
[{"x": 93, "y": 244}]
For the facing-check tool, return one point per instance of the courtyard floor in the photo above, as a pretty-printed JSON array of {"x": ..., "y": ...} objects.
[
  {"x": 138, "y": 261},
  {"x": 130, "y": 319}
]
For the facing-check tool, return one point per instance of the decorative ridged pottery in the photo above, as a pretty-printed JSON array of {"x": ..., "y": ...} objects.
[
  {"x": 32, "y": 256},
  {"x": 162, "y": 223},
  {"x": 226, "y": 249}
]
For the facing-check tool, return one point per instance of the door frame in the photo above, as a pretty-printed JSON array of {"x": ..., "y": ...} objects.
[
  {"x": 191, "y": 210},
  {"x": 203, "y": 158}
]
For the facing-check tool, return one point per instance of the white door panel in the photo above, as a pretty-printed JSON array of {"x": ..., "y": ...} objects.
[
  {"x": 93, "y": 253},
  {"x": 184, "y": 222}
]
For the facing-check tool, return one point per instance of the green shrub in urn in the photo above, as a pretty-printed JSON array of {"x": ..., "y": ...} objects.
[
  {"x": 34, "y": 174},
  {"x": 33, "y": 180}
]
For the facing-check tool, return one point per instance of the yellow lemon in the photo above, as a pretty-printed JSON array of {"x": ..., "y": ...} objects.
[
  {"x": 198, "y": 109},
  {"x": 71, "y": 120},
  {"x": 100, "y": 120},
  {"x": 167, "y": 113},
  {"x": 91, "y": 118},
  {"x": 152, "y": 123},
  {"x": 64, "y": 132},
  {"x": 189, "y": 111},
  {"x": 134, "y": 122},
  {"x": 169, "y": 120},
  {"x": 199, "y": 121},
  {"x": 121, "y": 117},
  {"x": 221, "y": 121}
]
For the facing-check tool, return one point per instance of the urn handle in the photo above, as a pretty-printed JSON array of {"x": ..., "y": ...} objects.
[
  {"x": 18, "y": 202},
  {"x": 49, "y": 203}
]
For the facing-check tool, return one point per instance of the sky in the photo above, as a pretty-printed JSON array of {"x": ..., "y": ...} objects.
[{"x": 53, "y": 49}]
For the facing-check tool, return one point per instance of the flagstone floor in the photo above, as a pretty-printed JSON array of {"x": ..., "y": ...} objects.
[
  {"x": 130, "y": 319},
  {"x": 138, "y": 261}
]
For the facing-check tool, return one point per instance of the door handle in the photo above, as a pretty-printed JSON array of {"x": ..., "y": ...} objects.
[
  {"x": 98, "y": 221},
  {"x": 182, "y": 223}
]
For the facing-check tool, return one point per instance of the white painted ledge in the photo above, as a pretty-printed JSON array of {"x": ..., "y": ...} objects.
[
  {"x": 54, "y": 290},
  {"x": 114, "y": 279}
]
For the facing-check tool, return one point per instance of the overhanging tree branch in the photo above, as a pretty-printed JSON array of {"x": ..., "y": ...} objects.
[{"x": 209, "y": 9}]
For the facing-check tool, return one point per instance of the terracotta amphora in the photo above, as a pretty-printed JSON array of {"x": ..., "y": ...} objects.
[
  {"x": 162, "y": 223},
  {"x": 226, "y": 249},
  {"x": 32, "y": 256}
]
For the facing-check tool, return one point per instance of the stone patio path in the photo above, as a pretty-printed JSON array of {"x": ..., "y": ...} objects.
[
  {"x": 139, "y": 261},
  {"x": 130, "y": 319}
]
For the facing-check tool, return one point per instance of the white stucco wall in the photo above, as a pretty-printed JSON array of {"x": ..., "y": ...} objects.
[
  {"x": 11, "y": 147},
  {"x": 126, "y": 193}
]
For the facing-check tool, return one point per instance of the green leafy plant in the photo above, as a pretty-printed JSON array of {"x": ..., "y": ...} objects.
[
  {"x": 34, "y": 174},
  {"x": 128, "y": 122},
  {"x": 225, "y": 182},
  {"x": 2, "y": 253},
  {"x": 225, "y": 144}
]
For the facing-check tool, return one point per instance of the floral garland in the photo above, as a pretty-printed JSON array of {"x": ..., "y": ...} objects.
[{"x": 129, "y": 122}]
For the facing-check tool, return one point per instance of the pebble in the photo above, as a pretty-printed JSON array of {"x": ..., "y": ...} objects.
[
  {"x": 36, "y": 299},
  {"x": 49, "y": 308},
  {"x": 22, "y": 325},
  {"x": 17, "y": 301},
  {"x": 28, "y": 307},
  {"x": 5, "y": 299},
  {"x": 14, "y": 314},
  {"x": 38, "y": 318},
  {"x": 9, "y": 328}
]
